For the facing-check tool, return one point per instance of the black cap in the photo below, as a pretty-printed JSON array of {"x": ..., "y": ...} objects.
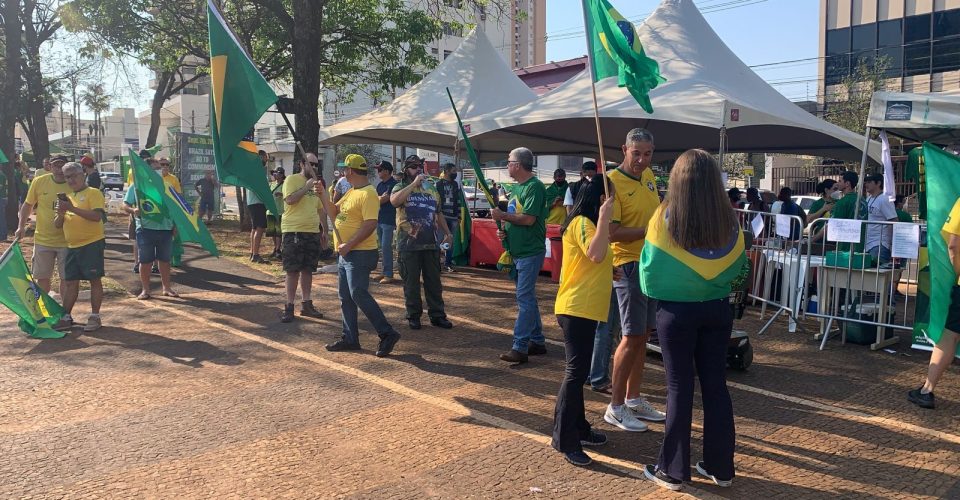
[
  {"x": 589, "y": 165},
  {"x": 412, "y": 159},
  {"x": 144, "y": 154},
  {"x": 384, "y": 165},
  {"x": 62, "y": 158},
  {"x": 873, "y": 178}
]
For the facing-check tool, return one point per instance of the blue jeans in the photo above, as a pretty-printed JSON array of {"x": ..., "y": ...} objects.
[
  {"x": 354, "y": 292},
  {"x": 4, "y": 231},
  {"x": 528, "y": 327},
  {"x": 454, "y": 226},
  {"x": 602, "y": 345},
  {"x": 385, "y": 237}
]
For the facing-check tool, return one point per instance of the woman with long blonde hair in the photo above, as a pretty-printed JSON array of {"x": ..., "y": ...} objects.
[{"x": 694, "y": 250}]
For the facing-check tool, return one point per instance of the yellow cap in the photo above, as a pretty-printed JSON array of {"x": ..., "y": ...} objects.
[{"x": 355, "y": 162}]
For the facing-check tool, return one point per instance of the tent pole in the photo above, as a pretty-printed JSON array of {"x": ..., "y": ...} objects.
[
  {"x": 723, "y": 145},
  {"x": 863, "y": 170}
]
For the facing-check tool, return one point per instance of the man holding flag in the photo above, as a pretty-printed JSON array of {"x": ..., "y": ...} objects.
[
  {"x": 943, "y": 210},
  {"x": 154, "y": 232}
]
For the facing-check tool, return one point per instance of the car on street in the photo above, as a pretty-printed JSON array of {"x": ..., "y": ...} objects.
[
  {"x": 805, "y": 201},
  {"x": 111, "y": 180},
  {"x": 476, "y": 202}
]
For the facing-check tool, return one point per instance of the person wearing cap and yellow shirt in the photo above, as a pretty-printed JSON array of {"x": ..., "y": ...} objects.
[
  {"x": 302, "y": 238},
  {"x": 49, "y": 244},
  {"x": 355, "y": 241}
]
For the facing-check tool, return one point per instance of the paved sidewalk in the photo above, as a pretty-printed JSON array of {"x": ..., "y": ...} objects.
[{"x": 209, "y": 395}]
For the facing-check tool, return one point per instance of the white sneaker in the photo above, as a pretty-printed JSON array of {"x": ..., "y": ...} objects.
[
  {"x": 623, "y": 419},
  {"x": 93, "y": 323},
  {"x": 647, "y": 412},
  {"x": 723, "y": 483}
]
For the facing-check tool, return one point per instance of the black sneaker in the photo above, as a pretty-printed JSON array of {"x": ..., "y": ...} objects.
[
  {"x": 702, "y": 470},
  {"x": 594, "y": 439},
  {"x": 342, "y": 345},
  {"x": 155, "y": 269},
  {"x": 536, "y": 349},
  {"x": 136, "y": 269},
  {"x": 414, "y": 323},
  {"x": 514, "y": 356},
  {"x": 307, "y": 309},
  {"x": 386, "y": 344},
  {"x": 578, "y": 458},
  {"x": 287, "y": 315},
  {"x": 922, "y": 400},
  {"x": 441, "y": 322},
  {"x": 661, "y": 478},
  {"x": 258, "y": 259}
]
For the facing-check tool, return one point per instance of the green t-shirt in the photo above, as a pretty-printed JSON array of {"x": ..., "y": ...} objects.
[
  {"x": 903, "y": 216},
  {"x": 915, "y": 171},
  {"x": 417, "y": 218},
  {"x": 845, "y": 208},
  {"x": 528, "y": 198},
  {"x": 817, "y": 205}
]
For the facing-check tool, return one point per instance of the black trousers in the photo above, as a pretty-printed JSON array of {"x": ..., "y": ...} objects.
[
  {"x": 414, "y": 265},
  {"x": 694, "y": 337},
  {"x": 569, "y": 422}
]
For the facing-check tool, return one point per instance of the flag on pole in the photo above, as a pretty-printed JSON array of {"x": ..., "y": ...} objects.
[
  {"x": 159, "y": 201},
  {"x": 889, "y": 182},
  {"x": 21, "y": 294},
  {"x": 461, "y": 237},
  {"x": 3, "y": 157},
  {"x": 474, "y": 160},
  {"x": 615, "y": 50},
  {"x": 943, "y": 190},
  {"x": 238, "y": 98},
  {"x": 125, "y": 171}
]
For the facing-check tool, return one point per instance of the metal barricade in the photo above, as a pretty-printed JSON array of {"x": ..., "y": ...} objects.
[
  {"x": 776, "y": 260},
  {"x": 864, "y": 275}
]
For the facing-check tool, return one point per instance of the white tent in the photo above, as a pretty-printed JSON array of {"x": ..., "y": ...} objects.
[
  {"x": 478, "y": 78},
  {"x": 708, "y": 89},
  {"x": 922, "y": 117}
]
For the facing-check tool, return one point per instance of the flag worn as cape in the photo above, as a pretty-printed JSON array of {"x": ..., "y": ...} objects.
[
  {"x": 159, "y": 201},
  {"x": 943, "y": 190},
  {"x": 615, "y": 50},
  {"x": 239, "y": 96},
  {"x": 21, "y": 294},
  {"x": 694, "y": 276}
]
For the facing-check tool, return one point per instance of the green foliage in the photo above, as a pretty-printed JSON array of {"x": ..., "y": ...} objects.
[{"x": 849, "y": 105}]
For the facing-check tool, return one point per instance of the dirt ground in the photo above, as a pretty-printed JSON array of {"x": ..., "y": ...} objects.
[{"x": 210, "y": 395}]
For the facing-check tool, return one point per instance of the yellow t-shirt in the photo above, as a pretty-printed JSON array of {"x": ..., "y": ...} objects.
[
  {"x": 173, "y": 181},
  {"x": 952, "y": 225},
  {"x": 585, "y": 286},
  {"x": 557, "y": 215},
  {"x": 635, "y": 201},
  {"x": 357, "y": 206},
  {"x": 42, "y": 195},
  {"x": 77, "y": 230},
  {"x": 304, "y": 215}
]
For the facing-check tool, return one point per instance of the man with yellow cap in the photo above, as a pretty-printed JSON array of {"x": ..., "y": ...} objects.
[{"x": 355, "y": 223}]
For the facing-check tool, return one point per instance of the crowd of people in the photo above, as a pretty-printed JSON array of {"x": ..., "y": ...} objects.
[{"x": 630, "y": 261}]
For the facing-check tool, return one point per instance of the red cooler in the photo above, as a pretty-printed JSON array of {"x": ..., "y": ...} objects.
[{"x": 485, "y": 247}]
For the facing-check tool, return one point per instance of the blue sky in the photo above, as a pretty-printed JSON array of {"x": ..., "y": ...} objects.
[{"x": 758, "y": 31}]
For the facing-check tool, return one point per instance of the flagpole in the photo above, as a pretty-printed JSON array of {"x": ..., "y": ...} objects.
[{"x": 596, "y": 107}]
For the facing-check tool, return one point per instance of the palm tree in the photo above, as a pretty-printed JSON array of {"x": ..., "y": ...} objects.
[{"x": 97, "y": 100}]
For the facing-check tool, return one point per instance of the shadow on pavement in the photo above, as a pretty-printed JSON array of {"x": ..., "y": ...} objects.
[{"x": 193, "y": 353}]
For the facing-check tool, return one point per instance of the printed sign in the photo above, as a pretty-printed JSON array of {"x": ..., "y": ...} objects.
[
  {"x": 844, "y": 230},
  {"x": 899, "y": 110},
  {"x": 196, "y": 159}
]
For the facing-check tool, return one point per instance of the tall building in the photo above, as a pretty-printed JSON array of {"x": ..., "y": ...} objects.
[{"x": 919, "y": 39}]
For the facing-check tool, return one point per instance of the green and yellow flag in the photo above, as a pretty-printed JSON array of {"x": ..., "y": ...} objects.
[
  {"x": 159, "y": 201},
  {"x": 461, "y": 237},
  {"x": 943, "y": 190},
  {"x": 615, "y": 50},
  {"x": 695, "y": 276},
  {"x": 3, "y": 157},
  {"x": 21, "y": 294},
  {"x": 239, "y": 96}
]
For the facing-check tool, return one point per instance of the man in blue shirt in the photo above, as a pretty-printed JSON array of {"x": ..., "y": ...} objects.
[
  {"x": 386, "y": 219},
  {"x": 154, "y": 244}
]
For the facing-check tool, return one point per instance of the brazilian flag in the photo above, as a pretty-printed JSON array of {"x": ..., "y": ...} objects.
[
  {"x": 159, "y": 201},
  {"x": 238, "y": 98},
  {"x": 3, "y": 157},
  {"x": 461, "y": 239},
  {"x": 943, "y": 211},
  {"x": 37, "y": 311},
  {"x": 616, "y": 51},
  {"x": 693, "y": 276}
]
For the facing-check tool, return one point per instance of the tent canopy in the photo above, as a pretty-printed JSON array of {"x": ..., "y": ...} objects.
[
  {"x": 922, "y": 117},
  {"x": 480, "y": 81},
  {"x": 708, "y": 88}
]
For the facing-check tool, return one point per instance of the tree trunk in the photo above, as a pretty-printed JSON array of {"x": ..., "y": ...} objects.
[
  {"x": 8, "y": 115},
  {"x": 33, "y": 78},
  {"x": 307, "y": 36},
  {"x": 159, "y": 97},
  {"x": 242, "y": 209}
]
